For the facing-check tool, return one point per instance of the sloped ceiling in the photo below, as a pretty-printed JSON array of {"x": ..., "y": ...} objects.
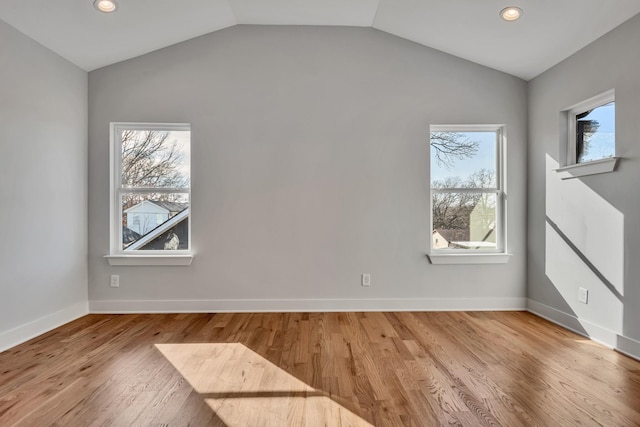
[{"x": 548, "y": 32}]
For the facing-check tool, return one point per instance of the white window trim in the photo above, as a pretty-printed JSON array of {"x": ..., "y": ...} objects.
[
  {"x": 474, "y": 258},
  {"x": 572, "y": 169},
  {"x": 117, "y": 256},
  {"x": 593, "y": 167},
  {"x": 499, "y": 255},
  {"x": 147, "y": 260}
]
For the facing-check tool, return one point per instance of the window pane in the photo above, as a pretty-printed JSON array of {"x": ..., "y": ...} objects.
[
  {"x": 463, "y": 159},
  {"x": 464, "y": 220},
  {"x": 596, "y": 133},
  {"x": 158, "y": 221},
  {"x": 154, "y": 158}
]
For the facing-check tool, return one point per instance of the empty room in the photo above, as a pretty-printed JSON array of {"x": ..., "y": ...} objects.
[{"x": 320, "y": 213}]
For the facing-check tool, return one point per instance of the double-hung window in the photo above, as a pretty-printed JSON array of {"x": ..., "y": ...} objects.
[
  {"x": 150, "y": 193},
  {"x": 468, "y": 203}
]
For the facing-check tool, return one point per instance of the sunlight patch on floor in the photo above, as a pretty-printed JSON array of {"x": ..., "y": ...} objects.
[{"x": 245, "y": 389}]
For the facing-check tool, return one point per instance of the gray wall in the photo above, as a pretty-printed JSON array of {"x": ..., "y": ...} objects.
[
  {"x": 309, "y": 167},
  {"x": 43, "y": 188},
  {"x": 597, "y": 214}
]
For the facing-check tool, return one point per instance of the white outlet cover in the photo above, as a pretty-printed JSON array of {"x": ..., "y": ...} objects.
[
  {"x": 366, "y": 279},
  {"x": 583, "y": 295}
]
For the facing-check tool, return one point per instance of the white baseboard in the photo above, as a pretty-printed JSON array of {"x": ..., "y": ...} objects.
[
  {"x": 582, "y": 327},
  {"x": 629, "y": 346},
  {"x": 597, "y": 333},
  {"x": 623, "y": 344},
  {"x": 292, "y": 305},
  {"x": 30, "y": 330}
]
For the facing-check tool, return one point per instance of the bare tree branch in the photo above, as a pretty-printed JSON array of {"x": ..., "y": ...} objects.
[
  {"x": 451, "y": 211},
  {"x": 150, "y": 159},
  {"x": 450, "y": 146}
]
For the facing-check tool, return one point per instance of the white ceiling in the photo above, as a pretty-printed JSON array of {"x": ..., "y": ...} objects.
[{"x": 548, "y": 32}]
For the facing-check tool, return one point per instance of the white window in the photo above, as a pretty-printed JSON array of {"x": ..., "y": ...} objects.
[
  {"x": 151, "y": 187},
  {"x": 592, "y": 129},
  {"x": 591, "y": 137},
  {"x": 467, "y": 193}
]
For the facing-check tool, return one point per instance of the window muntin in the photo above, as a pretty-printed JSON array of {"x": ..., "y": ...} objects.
[
  {"x": 150, "y": 188},
  {"x": 467, "y": 194},
  {"x": 591, "y": 130}
]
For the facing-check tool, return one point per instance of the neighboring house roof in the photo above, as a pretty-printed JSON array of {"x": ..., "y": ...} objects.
[
  {"x": 128, "y": 235},
  {"x": 171, "y": 206},
  {"x": 474, "y": 245},
  {"x": 159, "y": 230},
  {"x": 460, "y": 238},
  {"x": 454, "y": 234}
]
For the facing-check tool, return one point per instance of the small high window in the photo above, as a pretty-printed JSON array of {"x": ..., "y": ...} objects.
[
  {"x": 590, "y": 137},
  {"x": 592, "y": 134}
]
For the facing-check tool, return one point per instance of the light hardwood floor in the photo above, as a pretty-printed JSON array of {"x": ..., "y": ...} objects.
[{"x": 317, "y": 369}]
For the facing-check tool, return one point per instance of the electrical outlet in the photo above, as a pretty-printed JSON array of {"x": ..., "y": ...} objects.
[
  {"x": 583, "y": 295},
  {"x": 366, "y": 279},
  {"x": 115, "y": 281}
]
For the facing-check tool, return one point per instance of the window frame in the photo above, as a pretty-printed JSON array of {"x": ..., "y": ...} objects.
[
  {"x": 571, "y": 168},
  {"x": 578, "y": 109},
  {"x": 498, "y": 255},
  {"x": 117, "y": 255}
]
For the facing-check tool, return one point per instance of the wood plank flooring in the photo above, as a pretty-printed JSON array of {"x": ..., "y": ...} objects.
[{"x": 317, "y": 369}]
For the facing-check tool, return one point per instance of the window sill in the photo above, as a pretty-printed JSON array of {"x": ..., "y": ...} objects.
[
  {"x": 590, "y": 168},
  {"x": 146, "y": 260},
  {"x": 450, "y": 258}
]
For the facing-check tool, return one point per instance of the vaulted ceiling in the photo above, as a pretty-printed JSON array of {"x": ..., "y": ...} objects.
[{"x": 548, "y": 32}]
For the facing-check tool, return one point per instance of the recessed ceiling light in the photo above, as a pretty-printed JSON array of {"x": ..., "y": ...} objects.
[
  {"x": 511, "y": 13},
  {"x": 106, "y": 6}
]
